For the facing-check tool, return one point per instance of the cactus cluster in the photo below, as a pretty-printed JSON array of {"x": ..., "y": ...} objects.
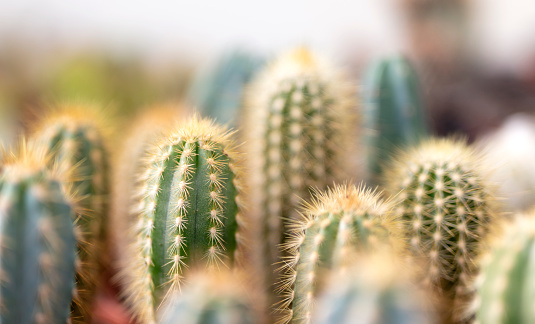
[
  {"x": 199, "y": 232},
  {"x": 73, "y": 135},
  {"x": 447, "y": 205},
  {"x": 505, "y": 287},
  {"x": 37, "y": 245},
  {"x": 188, "y": 213},
  {"x": 297, "y": 129},
  {"x": 336, "y": 224},
  {"x": 211, "y": 298}
]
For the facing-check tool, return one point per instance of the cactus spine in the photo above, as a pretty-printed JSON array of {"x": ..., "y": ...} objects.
[
  {"x": 376, "y": 289},
  {"x": 447, "y": 206},
  {"x": 505, "y": 285},
  {"x": 297, "y": 122},
  {"x": 339, "y": 221},
  {"x": 189, "y": 212},
  {"x": 219, "y": 92},
  {"x": 74, "y": 137},
  {"x": 211, "y": 298},
  {"x": 393, "y": 111},
  {"x": 37, "y": 247}
]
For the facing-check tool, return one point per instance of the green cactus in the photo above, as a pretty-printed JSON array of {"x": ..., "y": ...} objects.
[
  {"x": 218, "y": 93},
  {"x": 189, "y": 213},
  {"x": 297, "y": 128},
  {"x": 394, "y": 115},
  {"x": 505, "y": 289},
  {"x": 447, "y": 205},
  {"x": 38, "y": 245},
  {"x": 377, "y": 289},
  {"x": 336, "y": 223},
  {"x": 211, "y": 298},
  {"x": 74, "y": 136}
]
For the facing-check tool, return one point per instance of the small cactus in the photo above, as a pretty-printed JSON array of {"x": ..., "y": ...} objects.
[
  {"x": 505, "y": 287},
  {"x": 211, "y": 298},
  {"x": 375, "y": 290},
  {"x": 447, "y": 205},
  {"x": 38, "y": 245},
  {"x": 218, "y": 93},
  {"x": 189, "y": 213},
  {"x": 393, "y": 111},
  {"x": 74, "y": 136},
  {"x": 336, "y": 223},
  {"x": 298, "y": 126}
]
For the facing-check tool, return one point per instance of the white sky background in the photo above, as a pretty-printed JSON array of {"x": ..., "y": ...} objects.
[{"x": 201, "y": 29}]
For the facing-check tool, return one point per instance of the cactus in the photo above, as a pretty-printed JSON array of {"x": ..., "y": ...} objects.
[
  {"x": 298, "y": 124},
  {"x": 37, "y": 249},
  {"x": 505, "y": 289},
  {"x": 211, "y": 298},
  {"x": 447, "y": 205},
  {"x": 149, "y": 125},
  {"x": 393, "y": 111},
  {"x": 74, "y": 136},
  {"x": 377, "y": 289},
  {"x": 218, "y": 93},
  {"x": 189, "y": 213},
  {"x": 339, "y": 221}
]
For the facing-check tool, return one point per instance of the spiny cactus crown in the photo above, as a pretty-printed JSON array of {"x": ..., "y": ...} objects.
[
  {"x": 189, "y": 212},
  {"x": 447, "y": 205},
  {"x": 336, "y": 223}
]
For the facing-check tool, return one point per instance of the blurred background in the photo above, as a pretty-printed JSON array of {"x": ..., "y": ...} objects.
[{"x": 476, "y": 58}]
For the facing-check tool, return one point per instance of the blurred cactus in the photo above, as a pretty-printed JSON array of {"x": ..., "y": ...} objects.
[
  {"x": 298, "y": 133},
  {"x": 337, "y": 222},
  {"x": 150, "y": 125},
  {"x": 211, "y": 298},
  {"x": 74, "y": 136},
  {"x": 511, "y": 149},
  {"x": 38, "y": 244},
  {"x": 218, "y": 93},
  {"x": 188, "y": 213},
  {"x": 505, "y": 287},
  {"x": 393, "y": 111},
  {"x": 447, "y": 205},
  {"x": 375, "y": 290}
]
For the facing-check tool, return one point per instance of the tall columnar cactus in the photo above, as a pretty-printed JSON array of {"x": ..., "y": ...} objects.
[
  {"x": 447, "y": 206},
  {"x": 218, "y": 93},
  {"x": 74, "y": 136},
  {"x": 145, "y": 129},
  {"x": 189, "y": 213},
  {"x": 336, "y": 223},
  {"x": 506, "y": 287},
  {"x": 212, "y": 298},
  {"x": 394, "y": 115},
  {"x": 298, "y": 125},
  {"x": 375, "y": 290},
  {"x": 37, "y": 241}
]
